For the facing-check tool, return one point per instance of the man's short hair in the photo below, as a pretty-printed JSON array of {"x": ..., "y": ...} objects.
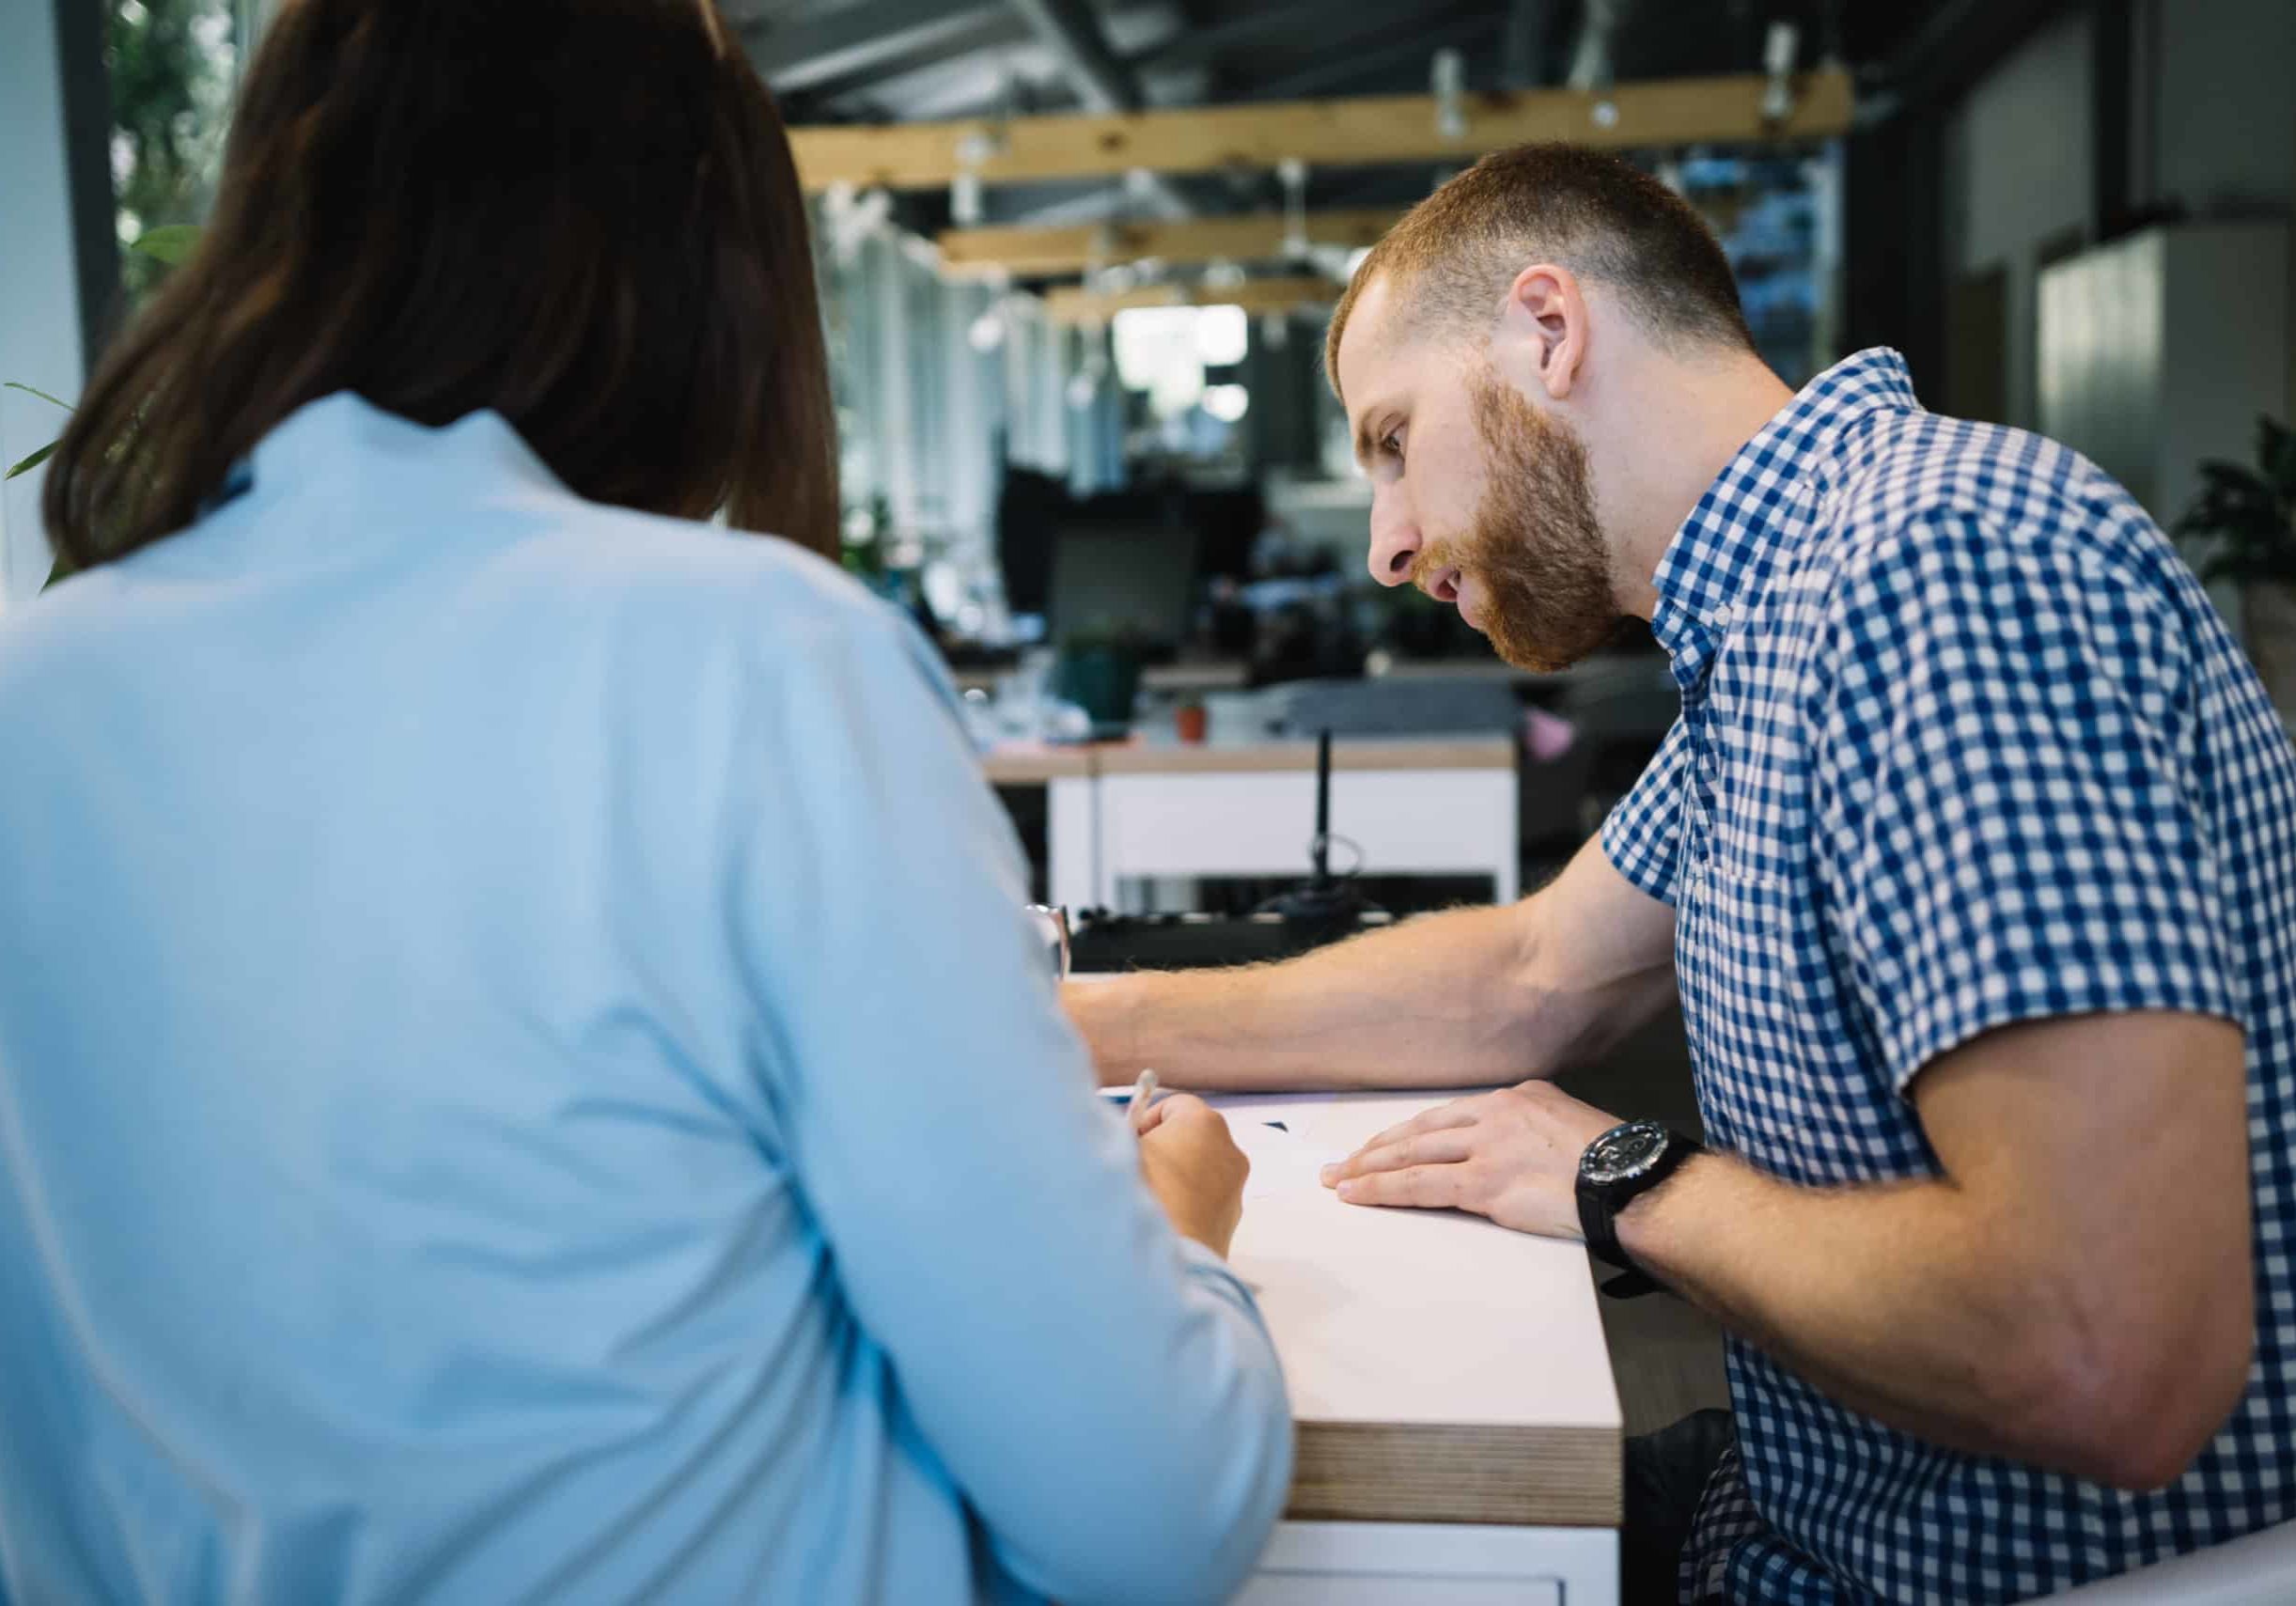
[{"x": 1453, "y": 255}]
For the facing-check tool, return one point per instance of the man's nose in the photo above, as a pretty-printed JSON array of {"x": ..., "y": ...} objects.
[{"x": 1395, "y": 543}]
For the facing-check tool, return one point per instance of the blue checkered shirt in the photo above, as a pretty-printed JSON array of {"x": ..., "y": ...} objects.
[{"x": 1963, "y": 744}]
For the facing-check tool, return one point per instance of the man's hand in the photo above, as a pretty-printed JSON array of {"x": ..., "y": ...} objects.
[
  {"x": 1194, "y": 1169},
  {"x": 1512, "y": 1155}
]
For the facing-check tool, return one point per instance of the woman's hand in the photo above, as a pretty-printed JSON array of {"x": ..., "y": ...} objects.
[{"x": 1193, "y": 1168}]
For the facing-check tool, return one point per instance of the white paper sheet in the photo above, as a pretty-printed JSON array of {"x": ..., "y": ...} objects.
[{"x": 1282, "y": 1161}]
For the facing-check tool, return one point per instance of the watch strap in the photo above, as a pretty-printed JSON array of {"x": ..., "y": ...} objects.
[
  {"x": 1631, "y": 1286},
  {"x": 1598, "y": 1208}
]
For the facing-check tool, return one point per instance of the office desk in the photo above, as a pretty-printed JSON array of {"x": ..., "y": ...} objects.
[
  {"x": 1427, "y": 805},
  {"x": 1036, "y": 763},
  {"x": 1459, "y": 1429},
  {"x": 1244, "y": 804},
  {"x": 1185, "y": 677},
  {"x": 1072, "y": 815}
]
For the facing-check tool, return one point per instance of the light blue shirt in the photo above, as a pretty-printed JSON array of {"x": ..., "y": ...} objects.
[{"x": 524, "y": 1077}]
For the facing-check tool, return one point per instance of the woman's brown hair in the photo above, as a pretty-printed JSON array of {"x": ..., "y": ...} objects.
[{"x": 580, "y": 213}]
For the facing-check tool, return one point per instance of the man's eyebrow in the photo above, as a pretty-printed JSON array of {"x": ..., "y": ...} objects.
[{"x": 1367, "y": 447}]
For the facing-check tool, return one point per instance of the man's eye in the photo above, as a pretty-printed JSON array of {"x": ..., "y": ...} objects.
[{"x": 1393, "y": 445}]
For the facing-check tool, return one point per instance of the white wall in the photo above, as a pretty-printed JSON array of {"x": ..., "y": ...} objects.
[
  {"x": 2213, "y": 133},
  {"x": 2018, "y": 177},
  {"x": 39, "y": 310},
  {"x": 2142, "y": 370}
]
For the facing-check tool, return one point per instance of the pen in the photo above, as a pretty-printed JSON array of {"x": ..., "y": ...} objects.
[{"x": 1143, "y": 1094}]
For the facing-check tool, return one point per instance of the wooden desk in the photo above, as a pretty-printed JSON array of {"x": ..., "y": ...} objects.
[
  {"x": 1179, "y": 678},
  {"x": 1458, "y": 1429},
  {"x": 1193, "y": 674},
  {"x": 1036, "y": 763}
]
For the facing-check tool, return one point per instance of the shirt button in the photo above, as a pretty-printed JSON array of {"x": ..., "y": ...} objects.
[{"x": 1723, "y": 617}]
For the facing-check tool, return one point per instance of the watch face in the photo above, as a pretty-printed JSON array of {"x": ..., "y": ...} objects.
[{"x": 1624, "y": 1153}]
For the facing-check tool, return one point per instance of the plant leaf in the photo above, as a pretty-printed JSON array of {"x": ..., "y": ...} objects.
[
  {"x": 2217, "y": 470},
  {"x": 31, "y": 462},
  {"x": 2273, "y": 437},
  {"x": 11, "y": 384},
  {"x": 2276, "y": 453},
  {"x": 169, "y": 244}
]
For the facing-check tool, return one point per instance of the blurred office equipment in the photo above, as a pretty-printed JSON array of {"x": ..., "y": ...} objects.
[
  {"x": 1135, "y": 581},
  {"x": 1417, "y": 706}
]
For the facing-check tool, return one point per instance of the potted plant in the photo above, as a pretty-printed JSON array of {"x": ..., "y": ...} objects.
[
  {"x": 1099, "y": 670},
  {"x": 1192, "y": 719},
  {"x": 2246, "y": 521}
]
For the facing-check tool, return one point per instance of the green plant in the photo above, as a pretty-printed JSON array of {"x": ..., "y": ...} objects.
[
  {"x": 867, "y": 538},
  {"x": 167, "y": 246},
  {"x": 169, "y": 67},
  {"x": 26, "y": 465},
  {"x": 2247, "y": 517}
]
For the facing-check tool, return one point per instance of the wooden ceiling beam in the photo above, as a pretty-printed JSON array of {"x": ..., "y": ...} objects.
[
  {"x": 1075, "y": 306},
  {"x": 1346, "y": 133},
  {"x": 1046, "y": 253},
  {"x": 1072, "y": 32}
]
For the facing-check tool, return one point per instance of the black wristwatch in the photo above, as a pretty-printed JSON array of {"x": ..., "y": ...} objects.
[{"x": 1617, "y": 1168}]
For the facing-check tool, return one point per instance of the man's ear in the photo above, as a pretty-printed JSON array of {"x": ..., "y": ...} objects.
[{"x": 1543, "y": 330}]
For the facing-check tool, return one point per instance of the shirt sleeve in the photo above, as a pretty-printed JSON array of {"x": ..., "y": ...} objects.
[
  {"x": 1102, "y": 1391},
  {"x": 2007, "y": 814},
  {"x": 1643, "y": 836}
]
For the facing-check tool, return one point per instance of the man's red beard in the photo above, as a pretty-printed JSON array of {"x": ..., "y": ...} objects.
[{"x": 1534, "y": 550}]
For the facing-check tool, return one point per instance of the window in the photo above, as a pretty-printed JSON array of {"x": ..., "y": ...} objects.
[{"x": 173, "y": 64}]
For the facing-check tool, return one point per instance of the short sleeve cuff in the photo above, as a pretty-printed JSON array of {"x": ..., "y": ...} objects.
[
  {"x": 1632, "y": 855},
  {"x": 1933, "y": 1026},
  {"x": 1643, "y": 836}
]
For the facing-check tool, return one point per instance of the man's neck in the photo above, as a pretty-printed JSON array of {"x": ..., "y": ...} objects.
[{"x": 1689, "y": 420}]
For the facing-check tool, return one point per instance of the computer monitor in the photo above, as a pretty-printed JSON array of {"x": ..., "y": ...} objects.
[
  {"x": 1131, "y": 577},
  {"x": 1029, "y": 509}
]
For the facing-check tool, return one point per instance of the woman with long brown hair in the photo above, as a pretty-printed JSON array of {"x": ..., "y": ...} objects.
[{"x": 523, "y": 1072}]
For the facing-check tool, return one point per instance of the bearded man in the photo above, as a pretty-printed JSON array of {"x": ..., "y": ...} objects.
[{"x": 1972, "y": 861}]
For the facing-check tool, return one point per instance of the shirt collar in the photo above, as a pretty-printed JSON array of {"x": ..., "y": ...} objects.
[
  {"x": 329, "y": 445},
  {"x": 1717, "y": 564}
]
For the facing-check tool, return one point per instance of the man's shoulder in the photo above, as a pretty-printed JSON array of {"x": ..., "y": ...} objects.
[
  {"x": 1959, "y": 551},
  {"x": 1920, "y": 489}
]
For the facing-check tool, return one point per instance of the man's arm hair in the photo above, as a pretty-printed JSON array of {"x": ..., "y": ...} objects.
[{"x": 2075, "y": 1291}]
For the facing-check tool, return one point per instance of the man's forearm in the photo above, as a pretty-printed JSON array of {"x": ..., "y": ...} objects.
[
  {"x": 1908, "y": 1301},
  {"x": 1429, "y": 1003},
  {"x": 1870, "y": 1293},
  {"x": 1473, "y": 996}
]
